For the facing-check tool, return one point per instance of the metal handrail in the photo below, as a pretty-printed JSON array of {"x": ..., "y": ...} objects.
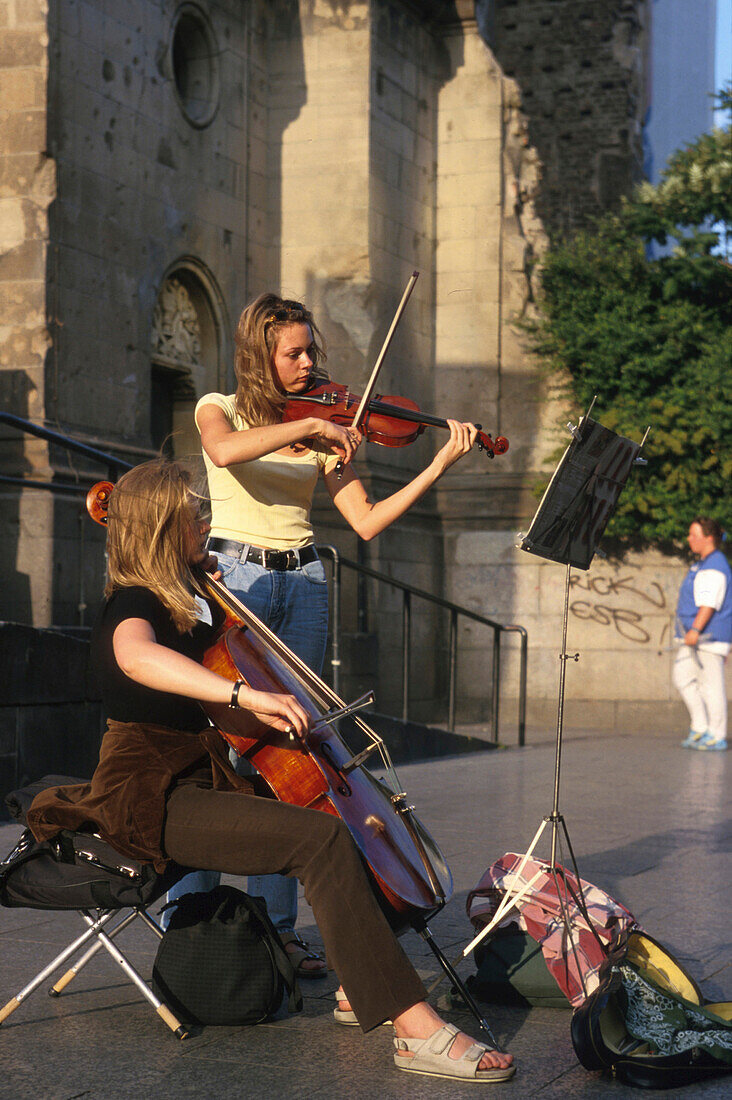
[
  {"x": 112, "y": 463},
  {"x": 115, "y": 464},
  {"x": 408, "y": 591}
]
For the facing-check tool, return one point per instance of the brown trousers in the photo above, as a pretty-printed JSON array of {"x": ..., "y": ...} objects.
[{"x": 243, "y": 834}]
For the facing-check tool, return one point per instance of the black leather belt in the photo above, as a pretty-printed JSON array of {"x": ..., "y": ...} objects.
[{"x": 279, "y": 560}]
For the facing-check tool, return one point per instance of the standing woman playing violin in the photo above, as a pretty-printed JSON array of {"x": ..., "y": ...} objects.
[
  {"x": 162, "y": 790},
  {"x": 262, "y": 475}
]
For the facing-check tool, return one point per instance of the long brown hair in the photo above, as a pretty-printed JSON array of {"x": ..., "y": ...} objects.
[
  {"x": 147, "y": 536},
  {"x": 259, "y": 400}
]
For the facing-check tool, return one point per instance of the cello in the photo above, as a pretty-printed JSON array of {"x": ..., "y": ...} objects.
[{"x": 410, "y": 874}]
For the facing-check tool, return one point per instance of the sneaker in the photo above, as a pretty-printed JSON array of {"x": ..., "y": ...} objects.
[
  {"x": 707, "y": 743},
  {"x": 690, "y": 742}
]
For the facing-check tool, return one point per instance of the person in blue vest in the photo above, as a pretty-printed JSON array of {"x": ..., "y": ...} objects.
[{"x": 704, "y": 634}]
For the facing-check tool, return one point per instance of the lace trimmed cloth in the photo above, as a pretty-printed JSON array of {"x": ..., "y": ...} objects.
[{"x": 668, "y": 1025}]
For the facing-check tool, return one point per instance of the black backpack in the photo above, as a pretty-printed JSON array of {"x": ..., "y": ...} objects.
[
  {"x": 648, "y": 1022},
  {"x": 221, "y": 961},
  {"x": 74, "y": 870},
  {"x": 78, "y": 871}
]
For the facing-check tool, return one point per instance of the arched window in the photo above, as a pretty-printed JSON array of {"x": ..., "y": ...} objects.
[{"x": 188, "y": 356}]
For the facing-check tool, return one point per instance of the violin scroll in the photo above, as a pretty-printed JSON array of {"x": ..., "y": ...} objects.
[
  {"x": 492, "y": 447},
  {"x": 97, "y": 501}
]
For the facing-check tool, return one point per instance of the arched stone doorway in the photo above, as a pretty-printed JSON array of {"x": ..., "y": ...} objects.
[{"x": 189, "y": 354}]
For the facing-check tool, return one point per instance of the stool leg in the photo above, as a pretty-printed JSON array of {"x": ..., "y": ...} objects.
[
  {"x": 95, "y": 927},
  {"x": 152, "y": 925},
  {"x": 69, "y": 976},
  {"x": 165, "y": 1014}
]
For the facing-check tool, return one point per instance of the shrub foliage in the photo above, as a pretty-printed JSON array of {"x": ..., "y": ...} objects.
[{"x": 652, "y": 337}]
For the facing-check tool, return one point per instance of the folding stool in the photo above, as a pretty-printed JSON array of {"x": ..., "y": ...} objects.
[{"x": 81, "y": 872}]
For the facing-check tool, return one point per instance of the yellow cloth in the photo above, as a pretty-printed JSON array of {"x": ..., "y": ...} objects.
[{"x": 265, "y": 502}]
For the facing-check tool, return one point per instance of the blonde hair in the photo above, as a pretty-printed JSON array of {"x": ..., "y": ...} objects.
[
  {"x": 259, "y": 399},
  {"x": 147, "y": 536}
]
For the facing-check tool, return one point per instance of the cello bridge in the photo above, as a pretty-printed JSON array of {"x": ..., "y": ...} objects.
[{"x": 399, "y": 803}]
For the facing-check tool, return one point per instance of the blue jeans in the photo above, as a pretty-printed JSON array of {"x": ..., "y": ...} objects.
[{"x": 294, "y": 605}]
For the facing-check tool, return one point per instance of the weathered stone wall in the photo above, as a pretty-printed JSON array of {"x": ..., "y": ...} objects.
[
  {"x": 50, "y": 715},
  {"x": 142, "y": 192},
  {"x": 621, "y": 621},
  {"x": 581, "y": 68},
  {"x": 487, "y": 238},
  {"x": 569, "y": 79},
  {"x": 27, "y": 187},
  {"x": 140, "y": 188}
]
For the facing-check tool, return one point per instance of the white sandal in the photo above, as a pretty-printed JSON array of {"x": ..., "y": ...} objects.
[
  {"x": 431, "y": 1057},
  {"x": 347, "y": 1016}
]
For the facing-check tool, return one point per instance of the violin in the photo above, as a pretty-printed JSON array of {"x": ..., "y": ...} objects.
[
  {"x": 390, "y": 421},
  {"x": 409, "y": 872}
]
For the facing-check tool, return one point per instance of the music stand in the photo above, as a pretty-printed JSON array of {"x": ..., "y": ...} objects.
[{"x": 569, "y": 522}]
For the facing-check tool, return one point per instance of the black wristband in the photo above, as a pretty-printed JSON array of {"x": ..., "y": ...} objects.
[{"x": 234, "y": 701}]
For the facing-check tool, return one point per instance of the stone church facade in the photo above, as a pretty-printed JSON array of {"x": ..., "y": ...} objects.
[{"x": 162, "y": 162}]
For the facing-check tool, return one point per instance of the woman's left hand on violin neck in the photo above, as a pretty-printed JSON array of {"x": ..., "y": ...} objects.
[{"x": 461, "y": 442}]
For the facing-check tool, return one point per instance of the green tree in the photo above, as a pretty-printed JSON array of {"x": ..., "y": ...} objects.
[{"x": 652, "y": 337}]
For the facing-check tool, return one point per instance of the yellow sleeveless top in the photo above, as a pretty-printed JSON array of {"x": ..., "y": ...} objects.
[{"x": 265, "y": 502}]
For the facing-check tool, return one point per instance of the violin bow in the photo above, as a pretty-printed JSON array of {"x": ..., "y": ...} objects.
[
  {"x": 361, "y": 410},
  {"x": 356, "y": 422}
]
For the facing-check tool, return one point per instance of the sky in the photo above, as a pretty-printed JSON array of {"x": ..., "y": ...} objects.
[{"x": 723, "y": 49}]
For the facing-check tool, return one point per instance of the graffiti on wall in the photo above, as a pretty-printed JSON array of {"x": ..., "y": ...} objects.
[{"x": 634, "y": 609}]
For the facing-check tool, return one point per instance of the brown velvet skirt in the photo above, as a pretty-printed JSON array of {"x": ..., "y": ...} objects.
[{"x": 125, "y": 799}]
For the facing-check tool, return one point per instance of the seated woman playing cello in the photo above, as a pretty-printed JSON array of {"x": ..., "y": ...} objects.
[{"x": 164, "y": 790}]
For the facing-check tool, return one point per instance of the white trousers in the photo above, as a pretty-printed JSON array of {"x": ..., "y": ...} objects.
[{"x": 699, "y": 678}]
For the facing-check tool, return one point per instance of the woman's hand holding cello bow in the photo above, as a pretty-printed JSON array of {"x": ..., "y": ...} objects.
[{"x": 144, "y": 660}]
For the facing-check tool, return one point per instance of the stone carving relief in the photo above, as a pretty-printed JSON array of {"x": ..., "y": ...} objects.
[{"x": 176, "y": 333}]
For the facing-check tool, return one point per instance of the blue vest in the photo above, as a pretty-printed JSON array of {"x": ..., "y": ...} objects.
[{"x": 719, "y": 628}]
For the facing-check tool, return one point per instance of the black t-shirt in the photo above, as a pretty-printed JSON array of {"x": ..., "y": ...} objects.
[{"x": 125, "y": 700}]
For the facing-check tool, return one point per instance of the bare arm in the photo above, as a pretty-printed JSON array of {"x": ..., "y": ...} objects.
[
  {"x": 225, "y": 446},
  {"x": 155, "y": 666},
  {"x": 701, "y": 619},
  {"x": 368, "y": 519}
]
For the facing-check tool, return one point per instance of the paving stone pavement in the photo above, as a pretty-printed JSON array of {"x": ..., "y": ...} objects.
[{"x": 649, "y": 822}]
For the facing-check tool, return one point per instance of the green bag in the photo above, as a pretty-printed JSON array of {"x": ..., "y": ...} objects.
[{"x": 512, "y": 971}]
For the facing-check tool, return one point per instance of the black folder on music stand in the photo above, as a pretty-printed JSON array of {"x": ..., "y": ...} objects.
[{"x": 581, "y": 496}]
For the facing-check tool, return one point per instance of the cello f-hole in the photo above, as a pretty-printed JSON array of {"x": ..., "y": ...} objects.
[{"x": 327, "y": 752}]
